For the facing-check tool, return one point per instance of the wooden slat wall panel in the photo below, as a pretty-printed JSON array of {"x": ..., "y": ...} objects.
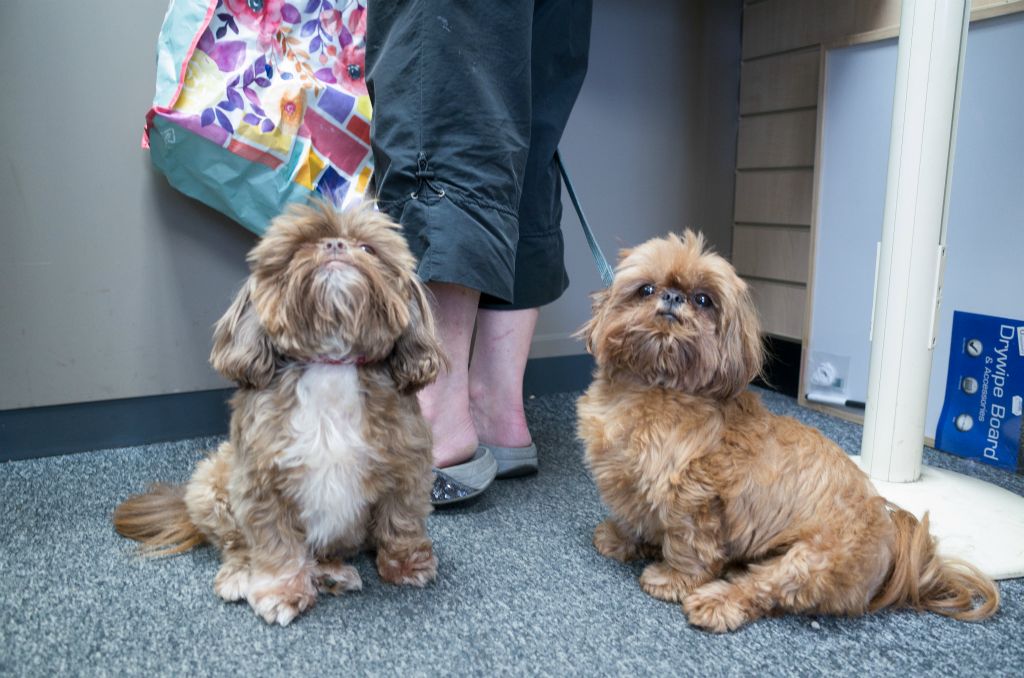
[
  {"x": 777, "y": 135},
  {"x": 781, "y": 52},
  {"x": 780, "y": 307},
  {"x": 871, "y": 15},
  {"x": 782, "y": 25},
  {"x": 777, "y": 140},
  {"x": 776, "y": 26},
  {"x": 985, "y": 9},
  {"x": 780, "y": 82},
  {"x": 772, "y": 252},
  {"x": 774, "y": 197}
]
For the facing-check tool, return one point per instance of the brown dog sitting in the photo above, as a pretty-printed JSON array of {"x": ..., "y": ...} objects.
[
  {"x": 329, "y": 339},
  {"x": 743, "y": 512}
]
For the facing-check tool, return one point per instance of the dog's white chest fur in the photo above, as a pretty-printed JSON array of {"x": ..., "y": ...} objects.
[{"x": 329, "y": 447}]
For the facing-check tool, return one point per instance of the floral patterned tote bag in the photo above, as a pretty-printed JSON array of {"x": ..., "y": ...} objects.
[{"x": 260, "y": 103}]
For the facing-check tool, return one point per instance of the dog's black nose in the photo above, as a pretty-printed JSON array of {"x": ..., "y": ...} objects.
[
  {"x": 673, "y": 297},
  {"x": 332, "y": 244}
]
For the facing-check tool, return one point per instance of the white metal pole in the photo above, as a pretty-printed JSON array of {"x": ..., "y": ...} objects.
[
  {"x": 977, "y": 521},
  {"x": 933, "y": 35}
]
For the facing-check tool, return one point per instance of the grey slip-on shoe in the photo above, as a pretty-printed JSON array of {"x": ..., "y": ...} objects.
[
  {"x": 460, "y": 482},
  {"x": 514, "y": 461}
]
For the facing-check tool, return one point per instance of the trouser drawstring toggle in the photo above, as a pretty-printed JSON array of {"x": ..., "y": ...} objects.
[{"x": 424, "y": 176}]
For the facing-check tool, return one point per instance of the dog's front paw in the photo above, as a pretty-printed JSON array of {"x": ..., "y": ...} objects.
[
  {"x": 280, "y": 601},
  {"x": 337, "y": 578},
  {"x": 231, "y": 582},
  {"x": 416, "y": 567},
  {"x": 660, "y": 581},
  {"x": 715, "y": 607},
  {"x": 611, "y": 543}
]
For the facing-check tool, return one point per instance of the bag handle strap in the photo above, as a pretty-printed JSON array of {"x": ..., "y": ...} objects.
[{"x": 602, "y": 264}]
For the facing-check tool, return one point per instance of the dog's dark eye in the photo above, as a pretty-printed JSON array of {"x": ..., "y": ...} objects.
[
  {"x": 703, "y": 300},
  {"x": 368, "y": 249},
  {"x": 646, "y": 290}
]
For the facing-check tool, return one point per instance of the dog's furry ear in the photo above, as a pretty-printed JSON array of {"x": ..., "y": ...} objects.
[
  {"x": 417, "y": 357},
  {"x": 742, "y": 348},
  {"x": 242, "y": 350},
  {"x": 599, "y": 301}
]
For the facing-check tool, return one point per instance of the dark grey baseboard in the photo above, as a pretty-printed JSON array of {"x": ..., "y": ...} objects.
[
  {"x": 62, "y": 429},
  {"x": 77, "y": 427},
  {"x": 561, "y": 374}
]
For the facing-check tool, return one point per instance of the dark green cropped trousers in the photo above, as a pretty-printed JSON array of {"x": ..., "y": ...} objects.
[{"x": 470, "y": 99}]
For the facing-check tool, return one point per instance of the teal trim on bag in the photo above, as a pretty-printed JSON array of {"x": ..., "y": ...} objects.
[
  {"x": 245, "y": 191},
  {"x": 183, "y": 24}
]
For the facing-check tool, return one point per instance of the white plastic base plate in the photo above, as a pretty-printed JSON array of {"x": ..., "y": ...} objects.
[{"x": 972, "y": 519}]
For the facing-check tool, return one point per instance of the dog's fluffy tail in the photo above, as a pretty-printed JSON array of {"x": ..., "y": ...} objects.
[
  {"x": 924, "y": 580},
  {"x": 159, "y": 520}
]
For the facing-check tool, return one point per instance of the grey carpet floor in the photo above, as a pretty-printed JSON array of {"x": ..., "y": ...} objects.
[{"x": 520, "y": 591}]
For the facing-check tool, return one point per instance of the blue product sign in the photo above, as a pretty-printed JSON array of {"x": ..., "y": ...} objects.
[{"x": 981, "y": 415}]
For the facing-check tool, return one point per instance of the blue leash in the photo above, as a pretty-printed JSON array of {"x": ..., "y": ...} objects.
[{"x": 602, "y": 264}]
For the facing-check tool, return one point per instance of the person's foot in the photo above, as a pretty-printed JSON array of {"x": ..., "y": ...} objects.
[
  {"x": 455, "y": 438},
  {"x": 445, "y": 403},
  {"x": 496, "y": 388},
  {"x": 504, "y": 432},
  {"x": 445, "y": 406},
  {"x": 462, "y": 469},
  {"x": 500, "y": 423}
]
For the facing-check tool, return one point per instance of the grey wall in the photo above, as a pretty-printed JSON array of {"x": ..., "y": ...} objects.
[
  {"x": 651, "y": 143},
  {"x": 110, "y": 280}
]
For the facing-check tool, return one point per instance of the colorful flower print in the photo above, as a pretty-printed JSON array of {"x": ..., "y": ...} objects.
[
  {"x": 262, "y": 16},
  {"x": 349, "y": 69}
]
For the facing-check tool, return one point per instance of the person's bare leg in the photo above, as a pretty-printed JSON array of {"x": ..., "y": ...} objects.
[
  {"x": 445, "y": 403},
  {"x": 496, "y": 376}
]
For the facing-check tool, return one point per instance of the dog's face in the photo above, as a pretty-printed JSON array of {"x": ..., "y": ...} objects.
[
  {"x": 334, "y": 285},
  {"x": 677, "y": 316}
]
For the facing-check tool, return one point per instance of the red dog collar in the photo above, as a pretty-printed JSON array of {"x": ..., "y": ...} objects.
[{"x": 357, "y": 360}]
